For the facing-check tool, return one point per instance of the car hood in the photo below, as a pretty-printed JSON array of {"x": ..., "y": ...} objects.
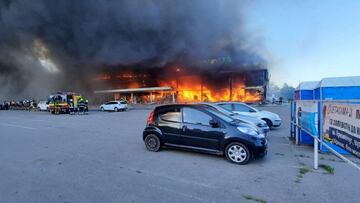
[
  {"x": 249, "y": 119},
  {"x": 249, "y": 125}
]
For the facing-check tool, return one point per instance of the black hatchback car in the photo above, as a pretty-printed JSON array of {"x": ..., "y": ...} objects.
[{"x": 194, "y": 127}]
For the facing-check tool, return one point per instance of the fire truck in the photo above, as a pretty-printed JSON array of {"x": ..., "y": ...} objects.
[{"x": 62, "y": 101}]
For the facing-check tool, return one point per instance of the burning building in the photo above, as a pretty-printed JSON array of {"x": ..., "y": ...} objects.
[
  {"x": 203, "y": 82},
  {"x": 143, "y": 50}
]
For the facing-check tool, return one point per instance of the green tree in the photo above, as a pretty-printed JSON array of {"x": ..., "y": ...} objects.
[{"x": 287, "y": 92}]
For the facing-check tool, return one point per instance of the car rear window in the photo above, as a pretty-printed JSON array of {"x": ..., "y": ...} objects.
[{"x": 170, "y": 114}]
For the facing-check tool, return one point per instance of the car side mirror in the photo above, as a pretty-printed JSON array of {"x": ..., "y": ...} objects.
[
  {"x": 252, "y": 111},
  {"x": 213, "y": 123}
]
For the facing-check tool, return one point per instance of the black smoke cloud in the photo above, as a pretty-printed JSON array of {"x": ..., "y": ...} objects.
[{"x": 82, "y": 34}]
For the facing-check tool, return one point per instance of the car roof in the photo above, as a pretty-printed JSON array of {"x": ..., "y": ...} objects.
[
  {"x": 175, "y": 105},
  {"x": 210, "y": 104},
  {"x": 206, "y": 103},
  {"x": 230, "y": 102},
  {"x": 198, "y": 106}
]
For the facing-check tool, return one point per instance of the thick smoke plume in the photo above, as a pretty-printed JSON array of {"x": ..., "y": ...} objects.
[{"x": 46, "y": 45}]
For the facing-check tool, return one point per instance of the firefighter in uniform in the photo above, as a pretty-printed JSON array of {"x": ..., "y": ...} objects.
[
  {"x": 56, "y": 107},
  {"x": 81, "y": 106},
  {"x": 71, "y": 107}
]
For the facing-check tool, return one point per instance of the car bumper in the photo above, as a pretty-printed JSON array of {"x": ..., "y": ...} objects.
[
  {"x": 276, "y": 123},
  {"x": 265, "y": 129},
  {"x": 260, "y": 150}
]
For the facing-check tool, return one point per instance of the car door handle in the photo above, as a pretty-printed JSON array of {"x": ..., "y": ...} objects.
[{"x": 184, "y": 128}]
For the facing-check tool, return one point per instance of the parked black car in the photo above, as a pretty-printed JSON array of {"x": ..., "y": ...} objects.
[{"x": 195, "y": 127}]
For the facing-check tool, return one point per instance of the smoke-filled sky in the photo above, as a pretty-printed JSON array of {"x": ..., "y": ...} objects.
[{"x": 44, "y": 44}]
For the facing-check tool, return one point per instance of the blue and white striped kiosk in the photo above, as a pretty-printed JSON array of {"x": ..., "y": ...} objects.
[{"x": 335, "y": 90}]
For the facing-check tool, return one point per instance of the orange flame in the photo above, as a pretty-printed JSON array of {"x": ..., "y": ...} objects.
[
  {"x": 191, "y": 89},
  {"x": 188, "y": 88}
]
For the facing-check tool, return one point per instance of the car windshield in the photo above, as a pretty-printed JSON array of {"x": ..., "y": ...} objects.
[
  {"x": 226, "y": 110},
  {"x": 254, "y": 109},
  {"x": 219, "y": 108},
  {"x": 243, "y": 107},
  {"x": 221, "y": 115}
]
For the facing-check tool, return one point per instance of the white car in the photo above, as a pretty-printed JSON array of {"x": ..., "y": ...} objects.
[
  {"x": 272, "y": 119},
  {"x": 43, "y": 106},
  {"x": 114, "y": 106}
]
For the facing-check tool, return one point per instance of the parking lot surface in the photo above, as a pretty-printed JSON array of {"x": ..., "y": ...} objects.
[{"x": 101, "y": 157}]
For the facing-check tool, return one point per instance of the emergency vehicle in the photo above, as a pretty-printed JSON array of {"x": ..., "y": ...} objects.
[{"x": 62, "y": 101}]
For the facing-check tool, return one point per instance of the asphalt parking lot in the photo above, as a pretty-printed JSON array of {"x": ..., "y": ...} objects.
[{"x": 101, "y": 157}]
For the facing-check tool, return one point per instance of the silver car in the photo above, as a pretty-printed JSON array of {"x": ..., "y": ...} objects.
[
  {"x": 272, "y": 119},
  {"x": 245, "y": 119}
]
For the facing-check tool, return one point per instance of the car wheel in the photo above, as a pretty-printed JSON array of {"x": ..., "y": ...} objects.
[
  {"x": 238, "y": 153},
  {"x": 102, "y": 109},
  {"x": 152, "y": 143},
  {"x": 268, "y": 122},
  {"x": 116, "y": 109}
]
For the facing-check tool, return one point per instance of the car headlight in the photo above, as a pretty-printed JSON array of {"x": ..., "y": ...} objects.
[
  {"x": 261, "y": 125},
  {"x": 251, "y": 131},
  {"x": 261, "y": 135}
]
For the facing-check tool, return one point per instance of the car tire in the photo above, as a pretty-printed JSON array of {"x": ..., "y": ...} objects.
[
  {"x": 152, "y": 143},
  {"x": 237, "y": 153},
  {"x": 116, "y": 109},
  {"x": 102, "y": 109},
  {"x": 268, "y": 122}
]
